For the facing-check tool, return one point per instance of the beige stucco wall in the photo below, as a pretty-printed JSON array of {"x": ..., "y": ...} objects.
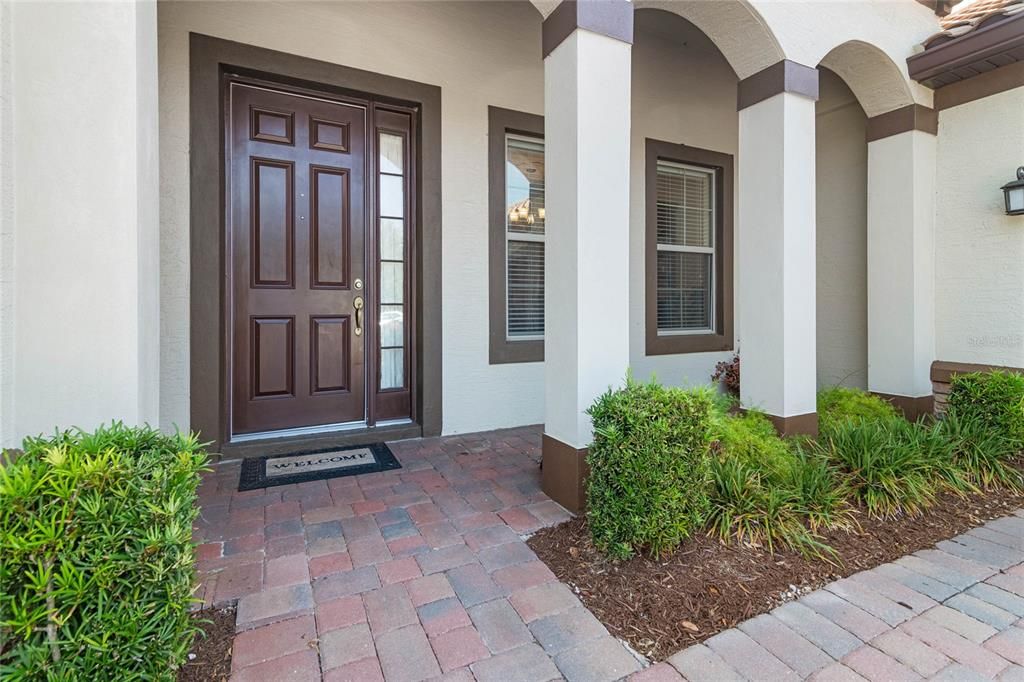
[
  {"x": 684, "y": 92},
  {"x": 979, "y": 250},
  {"x": 480, "y": 54},
  {"x": 841, "y": 167}
]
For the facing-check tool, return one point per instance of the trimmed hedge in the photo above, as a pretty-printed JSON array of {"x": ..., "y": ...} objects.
[
  {"x": 96, "y": 555},
  {"x": 994, "y": 398},
  {"x": 649, "y": 477}
]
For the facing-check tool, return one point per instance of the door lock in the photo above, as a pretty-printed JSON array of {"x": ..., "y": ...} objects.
[{"x": 357, "y": 303}]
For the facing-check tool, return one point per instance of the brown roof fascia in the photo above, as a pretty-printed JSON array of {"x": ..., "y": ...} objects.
[{"x": 984, "y": 42}]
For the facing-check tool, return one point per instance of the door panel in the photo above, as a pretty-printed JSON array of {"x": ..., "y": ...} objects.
[
  {"x": 331, "y": 228},
  {"x": 273, "y": 353},
  {"x": 330, "y": 344},
  {"x": 297, "y": 228},
  {"x": 273, "y": 229}
]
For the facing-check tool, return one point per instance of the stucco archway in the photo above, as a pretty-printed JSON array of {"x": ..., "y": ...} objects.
[
  {"x": 734, "y": 26},
  {"x": 872, "y": 76}
]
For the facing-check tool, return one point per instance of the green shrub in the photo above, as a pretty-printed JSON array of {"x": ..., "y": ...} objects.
[
  {"x": 647, "y": 488},
  {"x": 996, "y": 399},
  {"x": 890, "y": 464},
  {"x": 752, "y": 437},
  {"x": 839, "y": 404},
  {"x": 96, "y": 555}
]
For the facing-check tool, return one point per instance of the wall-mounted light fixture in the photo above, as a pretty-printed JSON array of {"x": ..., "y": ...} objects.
[{"x": 1014, "y": 192}]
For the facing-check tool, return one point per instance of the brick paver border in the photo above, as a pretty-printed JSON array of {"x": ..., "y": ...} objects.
[{"x": 955, "y": 612}]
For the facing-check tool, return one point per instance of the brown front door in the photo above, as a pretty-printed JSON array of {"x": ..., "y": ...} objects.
[{"x": 296, "y": 229}]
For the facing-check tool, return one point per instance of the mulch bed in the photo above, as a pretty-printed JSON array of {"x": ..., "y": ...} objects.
[
  {"x": 660, "y": 606},
  {"x": 210, "y": 656}
]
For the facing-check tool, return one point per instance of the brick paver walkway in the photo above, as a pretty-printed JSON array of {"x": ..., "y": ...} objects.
[
  {"x": 422, "y": 573},
  {"x": 405, "y": 575},
  {"x": 954, "y": 612}
]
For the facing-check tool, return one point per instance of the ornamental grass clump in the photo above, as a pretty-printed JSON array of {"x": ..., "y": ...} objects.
[
  {"x": 96, "y": 555},
  {"x": 648, "y": 483},
  {"x": 767, "y": 491},
  {"x": 980, "y": 454},
  {"x": 885, "y": 466}
]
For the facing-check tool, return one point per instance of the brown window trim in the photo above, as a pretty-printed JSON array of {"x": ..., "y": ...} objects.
[
  {"x": 722, "y": 164},
  {"x": 500, "y": 122}
]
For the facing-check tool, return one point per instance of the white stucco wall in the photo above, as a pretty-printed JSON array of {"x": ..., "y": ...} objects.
[
  {"x": 979, "y": 250},
  {"x": 7, "y": 434},
  {"x": 684, "y": 92},
  {"x": 586, "y": 275},
  {"x": 79, "y": 216},
  {"x": 777, "y": 256},
  {"x": 842, "y": 170},
  {"x": 901, "y": 263},
  {"x": 808, "y": 31}
]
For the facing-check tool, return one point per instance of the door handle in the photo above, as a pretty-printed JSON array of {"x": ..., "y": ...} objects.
[{"x": 357, "y": 303}]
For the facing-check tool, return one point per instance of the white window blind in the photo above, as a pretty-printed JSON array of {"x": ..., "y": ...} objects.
[
  {"x": 686, "y": 248},
  {"x": 524, "y": 237}
]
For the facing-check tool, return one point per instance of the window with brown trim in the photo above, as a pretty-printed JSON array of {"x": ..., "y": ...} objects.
[
  {"x": 689, "y": 249},
  {"x": 516, "y": 235}
]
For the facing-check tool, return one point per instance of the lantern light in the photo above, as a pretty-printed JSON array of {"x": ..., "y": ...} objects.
[{"x": 1014, "y": 193}]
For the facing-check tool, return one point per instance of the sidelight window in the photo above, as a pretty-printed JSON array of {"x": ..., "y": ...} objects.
[{"x": 392, "y": 247}]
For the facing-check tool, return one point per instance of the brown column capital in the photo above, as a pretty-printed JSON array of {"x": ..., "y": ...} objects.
[
  {"x": 612, "y": 18},
  {"x": 910, "y": 117},
  {"x": 783, "y": 76}
]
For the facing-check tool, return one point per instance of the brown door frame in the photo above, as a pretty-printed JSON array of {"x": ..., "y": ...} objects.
[{"x": 210, "y": 60}]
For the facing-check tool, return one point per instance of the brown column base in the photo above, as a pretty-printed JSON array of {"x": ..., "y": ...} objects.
[
  {"x": 796, "y": 425},
  {"x": 912, "y": 408},
  {"x": 564, "y": 474}
]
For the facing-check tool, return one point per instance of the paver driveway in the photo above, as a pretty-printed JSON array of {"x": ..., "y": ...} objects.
[{"x": 406, "y": 575}]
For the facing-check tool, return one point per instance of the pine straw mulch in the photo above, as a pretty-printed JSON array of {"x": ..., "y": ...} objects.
[
  {"x": 660, "y": 606},
  {"x": 210, "y": 657}
]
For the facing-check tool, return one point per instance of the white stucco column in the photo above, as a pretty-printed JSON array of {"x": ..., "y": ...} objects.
[
  {"x": 586, "y": 303},
  {"x": 84, "y": 261},
  {"x": 776, "y": 240},
  {"x": 901, "y": 268}
]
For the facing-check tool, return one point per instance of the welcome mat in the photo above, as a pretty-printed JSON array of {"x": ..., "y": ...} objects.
[{"x": 312, "y": 465}]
